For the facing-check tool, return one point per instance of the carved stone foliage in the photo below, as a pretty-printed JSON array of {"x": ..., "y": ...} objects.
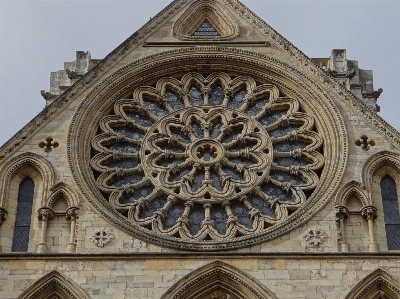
[
  {"x": 207, "y": 159},
  {"x": 314, "y": 238}
]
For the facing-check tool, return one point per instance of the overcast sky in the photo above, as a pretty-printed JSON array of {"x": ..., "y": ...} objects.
[{"x": 36, "y": 37}]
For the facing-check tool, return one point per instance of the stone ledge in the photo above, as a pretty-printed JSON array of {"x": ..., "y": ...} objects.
[{"x": 198, "y": 255}]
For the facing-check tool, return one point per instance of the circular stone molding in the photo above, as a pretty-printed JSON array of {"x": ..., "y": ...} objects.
[{"x": 206, "y": 161}]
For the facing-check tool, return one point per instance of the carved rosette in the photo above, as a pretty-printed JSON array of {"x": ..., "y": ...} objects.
[{"x": 207, "y": 159}]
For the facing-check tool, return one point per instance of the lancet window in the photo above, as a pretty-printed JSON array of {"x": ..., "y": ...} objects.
[
  {"x": 23, "y": 216},
  {"x": 391, "y": 212}
]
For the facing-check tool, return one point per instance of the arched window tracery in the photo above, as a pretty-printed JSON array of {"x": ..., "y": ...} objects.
[
  {"x": 391, "y": 212},
  {"x": 23, "y": 215}
]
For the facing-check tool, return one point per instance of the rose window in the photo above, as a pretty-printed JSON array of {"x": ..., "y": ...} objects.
[{"x": 207, "y": 159}]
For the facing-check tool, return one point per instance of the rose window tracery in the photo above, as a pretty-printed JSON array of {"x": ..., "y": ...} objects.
[{"x": 207, "y": 159}]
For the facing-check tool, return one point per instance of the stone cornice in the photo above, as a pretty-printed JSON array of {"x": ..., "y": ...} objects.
[
  {"x": 200, "y": 255},
  {"x": 371, "y": 117}
]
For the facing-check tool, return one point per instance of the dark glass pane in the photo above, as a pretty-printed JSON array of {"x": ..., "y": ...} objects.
[
  {"x": 198, "y": 180},
  {"x": 174, "y": 100},
  {"x": 391, "y": 212},
  {"x": 270, "y": 118},
  {"x": 125, "y": 164},
  {"x": 216, "y": 129},
  {"x": 257, "y": 107},
  {"x": 216, "y": 181},
  {"x": 196, "y": 217},
  {"x": 23, "y": 216},
  {"x": 206, "y": 29},
  {"x": 287, "y": 162},
  {"x": 195, "y": 97},
  {"x": 238, "y": 100},
  {"x": 127, "y": 180},
  {"x": 283, "y": 131},
  {"x": 240, "y": 211},
  {"x": 287, "y": 147},
  {"x": 124, "y": 147},
  {"x": 139, "y": 193},
  {"x": 275, "y": 191},
  {"x": 139, "y": 119},
  {"x": 198, "y": 132},
  {"x": 393, "y": 236},
  {"x": 261, "y": 205},
  {"x": 177, "y": 176},
  {"x": 285, "y": 177},
  {"x": 152, "y": 207},
  {"x": 131, "y": 133},
  {"x": 235, "y": 175},
  {"x": 155, "y": 108},
  {"x": 173, "y": 214},
  {"x": 388, "y": 189},
  {"x": 21, "y": 239},
  {"x": 218, "y": 215},
  {"x": 217, "y": 96}
]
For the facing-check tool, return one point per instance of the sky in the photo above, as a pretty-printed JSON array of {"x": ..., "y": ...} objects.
[{"x": 38, "y": 36}]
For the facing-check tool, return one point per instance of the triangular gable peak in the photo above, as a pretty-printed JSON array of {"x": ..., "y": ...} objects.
[{"x": 139, "y": 39}]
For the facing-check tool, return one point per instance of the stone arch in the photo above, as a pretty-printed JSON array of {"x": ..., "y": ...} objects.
[
  {"x": 200, "y": 11},
  {"x": 218, "y": 277},
  {"x": 54, "y": 285},
  {"x": 348, "y": 215},
  {"x": 375, "y": 169},
  {"x": 351, "y": 188},
  {"x": 378, "y": 284},
  {"x": 12, "y": 167},
  {"x": 62, "y": 189},
  {"x": 376, "y": 162}
]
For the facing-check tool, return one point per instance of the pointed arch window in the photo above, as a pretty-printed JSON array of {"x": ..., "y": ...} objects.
[
  {"x": 23, "y": 216},
  {"x": 391, "y": 212}
]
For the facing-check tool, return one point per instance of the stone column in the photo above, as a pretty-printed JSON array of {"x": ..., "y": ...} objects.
[
  {"x": 3, "y": 215},
  {"x": 72, "y": 215},
  {"x": 369, "y": 212},
  {"x": 341, "y": 213},
  {"x": 44, "y": 214}
]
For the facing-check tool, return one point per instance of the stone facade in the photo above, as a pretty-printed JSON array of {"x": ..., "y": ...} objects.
[{"x": 208, "y": 163}]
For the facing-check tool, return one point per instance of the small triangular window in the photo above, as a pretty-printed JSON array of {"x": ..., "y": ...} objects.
[{"x": 206, "y": 29}]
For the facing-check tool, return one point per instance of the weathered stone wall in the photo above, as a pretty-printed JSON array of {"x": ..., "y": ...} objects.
[{"x": 149, "y": 277}]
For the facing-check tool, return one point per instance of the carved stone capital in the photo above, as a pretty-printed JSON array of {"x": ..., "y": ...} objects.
[
  {"x": 341, "y": 212},
  {"x": 45, "y": 213},
  {"x": 369, "y": 212},
  {"x": 3, "y": 215},
  {"x": 72, "y": 213}
]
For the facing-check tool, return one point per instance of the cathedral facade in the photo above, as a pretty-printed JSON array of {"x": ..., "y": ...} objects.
[{"x": 206, "y": 157}]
